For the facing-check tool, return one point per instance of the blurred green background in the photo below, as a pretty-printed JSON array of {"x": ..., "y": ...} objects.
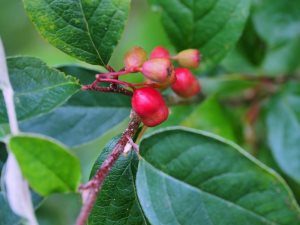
[{"x": 21, "y": 38}]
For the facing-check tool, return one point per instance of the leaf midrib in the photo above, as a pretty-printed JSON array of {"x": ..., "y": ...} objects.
[{"x": 88, "y": 31}]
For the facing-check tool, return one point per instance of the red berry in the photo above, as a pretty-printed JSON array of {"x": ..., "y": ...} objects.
[
  {"x": 189, "y": 58},
  {"x": 186, "y": 84},
  {"x": 159, "y": 52},
  {"x": 158, "y": 70},
  {"x": 134, "y": 58},
  {"x": 162, "y": 85},
  {"x": 149, "y": 104}
]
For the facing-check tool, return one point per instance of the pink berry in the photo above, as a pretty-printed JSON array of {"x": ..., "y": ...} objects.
[
  {"x": 159, "y": 52},
  {"x": 158, "y": 70},
  {"x": 186, "y": 84},
  {"x": 134, "y": 58},
  {"x": 189, "y": 58},
  {"x": 162, "y": 85},
  {"x": 149, "y": 104}
]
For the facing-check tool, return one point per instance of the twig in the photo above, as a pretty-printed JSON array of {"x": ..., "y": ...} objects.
[
  {"x": 94, "y": 186},
  {"x": 115, "y": 81},
  {"x": 112, "y": 88}
]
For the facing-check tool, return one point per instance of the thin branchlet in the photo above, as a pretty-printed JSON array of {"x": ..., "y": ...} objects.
[
  {"x": 112, "y": 88},
  {"x": 92, "y": 188}
]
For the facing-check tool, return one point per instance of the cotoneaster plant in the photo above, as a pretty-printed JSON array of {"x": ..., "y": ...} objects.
[
  {"x": 147, "y": 101},
  {"x": 175, "y": 114}
]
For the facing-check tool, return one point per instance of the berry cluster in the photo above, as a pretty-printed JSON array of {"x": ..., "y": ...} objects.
[{"x": 159, "y": 74}]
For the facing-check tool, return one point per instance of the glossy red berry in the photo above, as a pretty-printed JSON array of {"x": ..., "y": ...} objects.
[
  {"x": 158, "y": 70},
  {"x": 159, "y": 52},
  {"x": 186, "y": 84},
  {"x": 149, "y": 104},
  {"x": 134, "y": 58},
  {"x": 189, "y": 58}
]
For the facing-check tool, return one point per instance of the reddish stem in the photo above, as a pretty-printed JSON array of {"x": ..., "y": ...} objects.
[
  {"x": 113, "y": 89},
  {"x": 114, "y": 81},
  {"x": 98, "y": 179}
]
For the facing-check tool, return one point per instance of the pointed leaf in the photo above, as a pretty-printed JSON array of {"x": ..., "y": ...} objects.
[{"x": 87, "y": 30}]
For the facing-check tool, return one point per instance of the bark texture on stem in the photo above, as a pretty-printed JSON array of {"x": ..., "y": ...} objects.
[
  {"x": 94, "y": 186},
  {"x": 112, "y": 88}
]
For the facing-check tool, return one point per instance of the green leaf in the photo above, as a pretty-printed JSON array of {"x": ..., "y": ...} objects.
[
  {"x": 276, "y": 21},
  {"x": 192, "y": 177},
  {"x": 265, "y": 155},
  {"x": 117, "y": 202},
  {"x": 244, "y": 59},
  {"x": 212, "y": 26},
  {"x": 86, "y": 116},
  {"x": 38, "y": 88},
  {"x": 211, "y": 116},
  {"x": 278, "y": 24},
  {"x": 283, "y": 124},
  {"x": 283, "y": 58},
  {"x": 46, "y": 164},
  {"x": 274, "y": 54},
  {"x": 87, "y": 30}
]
